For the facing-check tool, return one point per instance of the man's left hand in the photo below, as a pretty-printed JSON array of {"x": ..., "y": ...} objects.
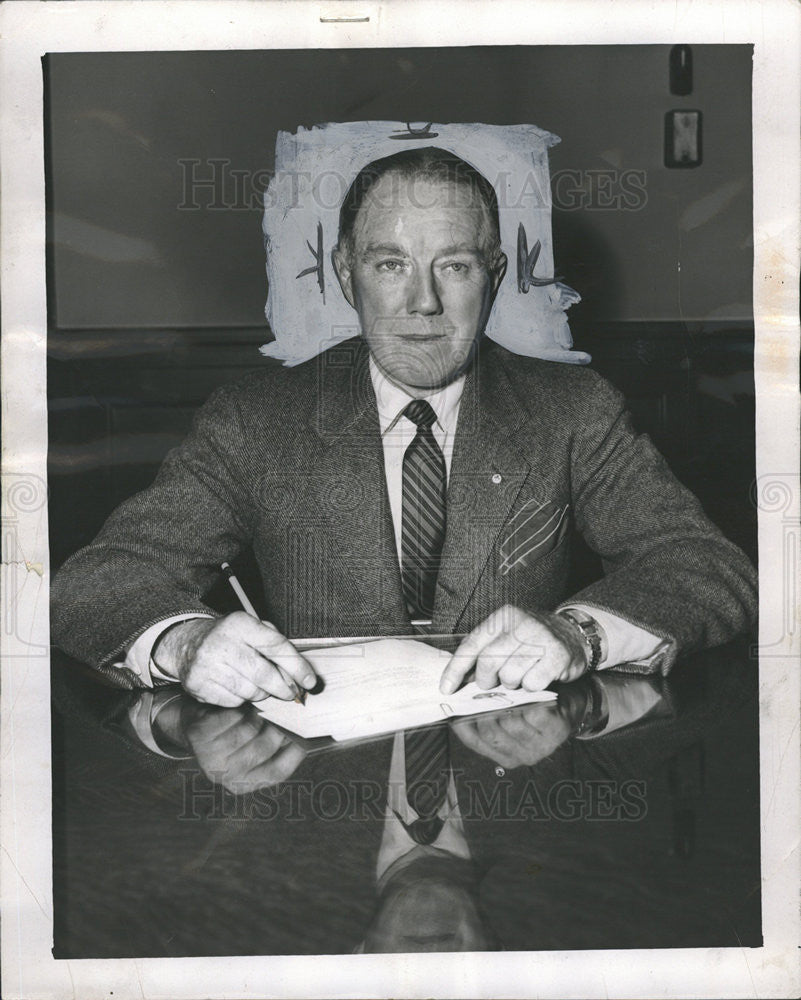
[
  {"x": 517, "y": 648},
  {"x": 519, "y": 736}
]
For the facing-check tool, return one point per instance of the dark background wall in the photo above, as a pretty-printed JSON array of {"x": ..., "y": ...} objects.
[{"x": 157, "y": 285}]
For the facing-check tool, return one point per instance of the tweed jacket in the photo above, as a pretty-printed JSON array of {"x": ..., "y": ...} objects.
[{"x": 290, "y": 463}]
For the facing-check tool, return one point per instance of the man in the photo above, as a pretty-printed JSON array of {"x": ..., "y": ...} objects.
[{"x": 411, "y": 478}]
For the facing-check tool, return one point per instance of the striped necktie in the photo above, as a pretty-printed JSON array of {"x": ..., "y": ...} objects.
[
  {"x": 427, "y": 775},
  {"x": 423, "y": 517}
]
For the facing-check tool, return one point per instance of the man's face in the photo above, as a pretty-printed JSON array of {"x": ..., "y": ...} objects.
[
  {"x": 430, "y": 914},
  {"x": 419, "y": 278}
]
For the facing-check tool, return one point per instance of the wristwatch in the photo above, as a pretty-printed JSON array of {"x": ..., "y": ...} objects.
[
  {"x": 590, "y": 632},
  {"x": 596, "y": 714}
]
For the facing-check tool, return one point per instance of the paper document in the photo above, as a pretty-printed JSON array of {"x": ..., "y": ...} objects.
[{"x": 376, "y": 687}]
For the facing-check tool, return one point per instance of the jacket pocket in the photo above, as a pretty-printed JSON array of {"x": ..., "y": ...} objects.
[{"x": 532, "y": 533}]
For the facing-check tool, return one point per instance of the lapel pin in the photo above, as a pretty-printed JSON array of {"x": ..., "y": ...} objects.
[{"x": 497, "y": 478}]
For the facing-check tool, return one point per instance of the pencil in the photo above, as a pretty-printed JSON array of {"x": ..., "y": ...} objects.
[{"x": 244, "y": 600}]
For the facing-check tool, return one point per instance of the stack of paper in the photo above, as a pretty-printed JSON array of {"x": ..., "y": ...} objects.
[{"x": 382, "y": 685}]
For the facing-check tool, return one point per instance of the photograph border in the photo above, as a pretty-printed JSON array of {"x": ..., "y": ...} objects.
[{"x": 31, "y": 29}]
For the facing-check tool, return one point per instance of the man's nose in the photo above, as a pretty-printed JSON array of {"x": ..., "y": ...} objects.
[{"x": 423, "y": 296}]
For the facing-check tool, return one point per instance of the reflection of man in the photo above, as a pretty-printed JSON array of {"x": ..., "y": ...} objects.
[
  {"x": 427, "y": 882},
  {"x": 419, "y": 479},
  {"x": 427, "y": 888},
  {"x": 429, "y": 902}
]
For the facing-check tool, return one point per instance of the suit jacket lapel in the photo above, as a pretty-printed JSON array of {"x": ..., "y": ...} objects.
[
  {"x": 361, "y": 532},
  {"x": 488, "y": 469},
  {"x": 487, "y": 472}
]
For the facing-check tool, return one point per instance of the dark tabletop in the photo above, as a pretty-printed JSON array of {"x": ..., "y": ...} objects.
[{"x": 625, "y": 815}]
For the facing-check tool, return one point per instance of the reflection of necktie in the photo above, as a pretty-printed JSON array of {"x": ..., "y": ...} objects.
[
  {"x": 423, "y": 518},
  {"x": 427, "y": 774}
]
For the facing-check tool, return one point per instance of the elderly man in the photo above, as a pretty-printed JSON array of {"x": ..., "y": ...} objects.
[{"x": 413, "y": 477}]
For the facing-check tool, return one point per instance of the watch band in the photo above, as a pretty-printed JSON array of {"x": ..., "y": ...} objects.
[
  {"x": 589, "y": 629},
  {"x": 596, "y": 714}
]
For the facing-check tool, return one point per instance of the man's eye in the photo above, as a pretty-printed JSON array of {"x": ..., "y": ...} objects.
[
  {"x": 456, "y": 267},
  {"x": 390, "y": 265}
]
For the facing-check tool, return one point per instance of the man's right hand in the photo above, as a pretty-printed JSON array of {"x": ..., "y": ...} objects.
[
  {"x": 238, "y": 750},
  {"x": 230, "y": 660}
]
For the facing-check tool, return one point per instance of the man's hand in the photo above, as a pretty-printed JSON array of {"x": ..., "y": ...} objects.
[
  {"x": 517, "y": 648},
  {"x": 231, "y": 660},
  {"x": 519, "y": 737},
  {"x": 240, "y": 751}
]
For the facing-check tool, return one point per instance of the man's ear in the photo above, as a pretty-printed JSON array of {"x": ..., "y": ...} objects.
[
  {"x": 344, "y": 273},
  {"x": 498, "y": 271}
]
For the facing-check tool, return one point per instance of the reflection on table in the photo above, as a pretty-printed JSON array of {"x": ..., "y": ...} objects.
[{"x": 623, "y": 815}]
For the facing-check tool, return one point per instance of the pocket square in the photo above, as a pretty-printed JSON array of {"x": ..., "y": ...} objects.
[{"x": 534, "y": 531}]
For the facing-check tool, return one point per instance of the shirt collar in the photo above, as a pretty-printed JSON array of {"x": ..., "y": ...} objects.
[{"x": 392, "y": 401}]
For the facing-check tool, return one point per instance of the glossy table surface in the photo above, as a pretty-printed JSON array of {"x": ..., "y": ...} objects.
[{"x": 624, "y": 815}]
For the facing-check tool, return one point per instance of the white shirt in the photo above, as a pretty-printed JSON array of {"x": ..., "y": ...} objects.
[
  {"x": 398, "y": 432},
  {"x": 395, "y": 841},
  {"x": 626, "y": 642}
]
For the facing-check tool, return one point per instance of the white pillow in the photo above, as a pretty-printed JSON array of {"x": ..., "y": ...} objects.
[{"x": 314, "y": 168}]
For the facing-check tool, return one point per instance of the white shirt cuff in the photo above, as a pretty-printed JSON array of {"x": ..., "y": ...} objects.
[
  {"x": 628, "y": 700},
  {"x": 626, "y": 642},
  {"x": 139, "y": 659},
  {"x": 142, "y": 715}
]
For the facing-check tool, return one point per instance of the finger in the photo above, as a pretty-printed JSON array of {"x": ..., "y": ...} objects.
[
  {"x": 222, "y": 724},
  {"x": 242, "y": 629},
  {"x": 228, "y": 747},
  {"x": 234, "y": 772},
  {"x": 498, "y": 747},
  {"x": 213, "y": 693},
  {"x": 491, "y": 733},
  {"x": 504, "y": 661},
  {"x": 507, "y": 659},
  {"x": 229, "y": 665},
  {"x": 256, "y": 678},
  {"x": 539, "y": 714},
  {"x": 513, "y": 670},
  {"x": 531, "y": 744},
  {"x": 490, "y": 661},
  {"x": 282, "y": 766},
  {"x": 247, "y": 674},
  {"x": 553, "y": 666},
  {"x": 275, "y": 647},
  {"x": 258, "y": 751},
  {"x": 487, "y": 745},
  {"x": 465, "y": 730},
  {"x": 465, "y": 656},
  {"x": 517, "y": 727},
  {"x": 522, "y": 657},
  {"x": 540, "y": 675},
  {"x": 468, "y": 732},
  {"x": 294, "y": 667}
]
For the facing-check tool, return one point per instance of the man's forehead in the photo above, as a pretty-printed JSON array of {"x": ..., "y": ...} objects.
[
  {"x": 397, "y": 190},
  {"x": 415, "y": 203}
]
